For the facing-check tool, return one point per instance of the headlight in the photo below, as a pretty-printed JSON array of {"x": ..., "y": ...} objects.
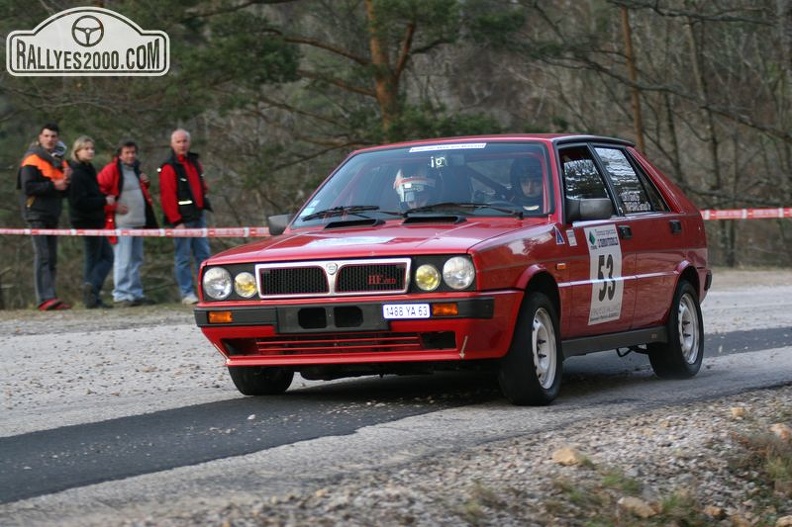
[
  {"x": 245, "y": 285},
  {"x": 458, "y": 272},
  {"x": 217, "y": 283},
  {"x": 427, "y": 277}
]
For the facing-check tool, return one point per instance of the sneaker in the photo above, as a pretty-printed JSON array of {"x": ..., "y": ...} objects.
[
  {"x": 90, "y": 299},
  {"x": 190, "y": 300},
  {"x": 53, "y": 304}
]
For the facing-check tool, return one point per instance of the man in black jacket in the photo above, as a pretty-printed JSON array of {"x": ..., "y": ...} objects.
[
  {"x": 184, "y": 200},
  {"x": 43, "y": 179}
]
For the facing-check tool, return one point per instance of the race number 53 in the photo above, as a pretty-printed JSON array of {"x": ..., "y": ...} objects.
[
  {"x": 605, "y": 277},
  {"x": 605, "y": 273}
]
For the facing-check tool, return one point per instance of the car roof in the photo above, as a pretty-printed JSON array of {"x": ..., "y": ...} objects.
[{"x": 554, "y": 139}]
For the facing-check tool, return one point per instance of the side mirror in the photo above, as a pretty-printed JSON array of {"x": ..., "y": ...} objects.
[
  {"x": 278, "y": 223},
  {"x": 588, "y": 209}
]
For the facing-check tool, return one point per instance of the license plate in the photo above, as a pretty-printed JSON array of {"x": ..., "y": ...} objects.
[{"x": 391, "y": 311}]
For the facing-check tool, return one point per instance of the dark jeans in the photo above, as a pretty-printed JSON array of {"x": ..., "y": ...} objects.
[
  {"x": 45, "y": 261},
  {"x": 98, "y": 261}
]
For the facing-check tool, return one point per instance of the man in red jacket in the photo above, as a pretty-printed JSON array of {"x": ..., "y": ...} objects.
[
  {"x": 123, "y": 179},
  {"x": 183, "y": 197}
]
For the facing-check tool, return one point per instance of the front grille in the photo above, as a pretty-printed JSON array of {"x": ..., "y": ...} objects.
[
  {"x": 382, "y": 277},
  {"x": 293, "y": 281},
  {"x": 328, "y": 278}
]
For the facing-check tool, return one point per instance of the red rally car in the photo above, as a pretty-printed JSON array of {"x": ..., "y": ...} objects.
[{"x": 511, "y": 252}]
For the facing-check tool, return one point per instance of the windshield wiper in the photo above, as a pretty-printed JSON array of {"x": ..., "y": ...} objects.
[
  {"x": 340, "y": 211},
  {"x": 464, "y": 206}
]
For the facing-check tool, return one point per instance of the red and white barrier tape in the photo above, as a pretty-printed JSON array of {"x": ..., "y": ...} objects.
[
  {"x": 224, "y": 232},
  {"x": 262, "y": 232},
  {"x": 746, "y": 214}
]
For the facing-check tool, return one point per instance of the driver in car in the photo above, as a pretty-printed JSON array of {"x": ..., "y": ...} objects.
[{"x": 416, "y": 189}]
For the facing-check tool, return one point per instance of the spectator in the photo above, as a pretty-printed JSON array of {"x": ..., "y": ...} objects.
[
  {"x": 43, "y": 179},
  {"x": 87, "y": 207},
  {"x": 123, "y": 179},
  {"x": 183, "y": 196}
]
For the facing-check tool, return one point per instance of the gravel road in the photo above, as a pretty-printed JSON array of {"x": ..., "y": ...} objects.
[{"x": 74, "y": 367}]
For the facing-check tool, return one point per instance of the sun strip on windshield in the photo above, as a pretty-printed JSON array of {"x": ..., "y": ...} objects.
[{"x": 462, "y": 146}]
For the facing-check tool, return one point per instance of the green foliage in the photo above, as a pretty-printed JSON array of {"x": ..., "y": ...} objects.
[
  {"x": 242, "y": 49},
  {"x": 438, "y": 21},
  {"x": 682, "y": 508},
  {"x": 617, "y": 479},
  {"x": 769, "y": 458},
  {"x": 497, "y": 28},
  {"x": 430, "y": 121}
]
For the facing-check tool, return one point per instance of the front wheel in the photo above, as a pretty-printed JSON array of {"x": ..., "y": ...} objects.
[
  {"x": 261, "y": 380},
  {"x": 681, "y": 356},
  {"x": 530, "y": 374}
]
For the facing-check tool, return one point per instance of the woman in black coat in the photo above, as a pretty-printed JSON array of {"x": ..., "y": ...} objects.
[{"x": 87, "y": 211}]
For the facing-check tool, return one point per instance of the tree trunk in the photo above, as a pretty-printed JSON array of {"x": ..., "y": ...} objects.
[
  {"x": 386, "y": 74},
  {"x": 634, "y": 91}
]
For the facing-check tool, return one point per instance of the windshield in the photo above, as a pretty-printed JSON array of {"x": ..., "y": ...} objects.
[{"x": 468, "y": 179}]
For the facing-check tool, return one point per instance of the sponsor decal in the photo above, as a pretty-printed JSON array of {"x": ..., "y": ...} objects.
[
  {"x": 559, "y": 237},
  {"x": 605, "y": 268},
  {"x": 87, "y": 41},
  {"x": 571, "y": 237},
  {"x": 461, "y": 146}
]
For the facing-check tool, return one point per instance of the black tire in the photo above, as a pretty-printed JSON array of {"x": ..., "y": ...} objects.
[
  {"x": 530, "y": 374},
  {"x": 681, "y": 356},
  {"x": 261, "y": 380}
]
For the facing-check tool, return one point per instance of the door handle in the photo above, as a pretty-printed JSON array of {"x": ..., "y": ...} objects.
[
  {"x": 625, "y": 232},
  {"x": 676, "y": 226}
]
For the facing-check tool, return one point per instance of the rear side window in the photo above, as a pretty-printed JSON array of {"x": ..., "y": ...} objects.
[
  {"x": 582, "y": 180},
  {"x": 634, "y": 192}
]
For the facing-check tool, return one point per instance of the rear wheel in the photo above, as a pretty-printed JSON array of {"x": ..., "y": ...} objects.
[
  {"x": 681, "y": 356},
  {"x": 530, "y": 374},
  {"x": 261, "y": 380}
]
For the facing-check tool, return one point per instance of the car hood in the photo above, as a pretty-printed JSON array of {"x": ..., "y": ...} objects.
[{"x": 391, "y": 239}]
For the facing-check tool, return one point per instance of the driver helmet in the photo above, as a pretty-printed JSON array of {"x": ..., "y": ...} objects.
[{"x": 414, "y": 191}]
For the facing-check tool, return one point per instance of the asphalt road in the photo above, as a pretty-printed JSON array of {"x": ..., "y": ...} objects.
[
  {"x": 89, "y": 437},
  {"x": 50, "y": 461}
]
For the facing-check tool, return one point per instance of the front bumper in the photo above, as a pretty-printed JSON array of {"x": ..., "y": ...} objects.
[{"x": 343, "y": 332}]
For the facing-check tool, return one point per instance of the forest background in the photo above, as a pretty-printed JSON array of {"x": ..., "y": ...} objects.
[{"x": 277, "y": 92}]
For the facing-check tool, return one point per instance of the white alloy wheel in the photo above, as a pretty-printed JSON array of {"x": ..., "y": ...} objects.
[
  {"x": 544, "y": 348},
  {"x": 688, "y": 328}
]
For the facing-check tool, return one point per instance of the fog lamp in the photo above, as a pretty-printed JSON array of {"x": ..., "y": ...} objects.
[
  {"x": 245, "y": 285},
  {"x": 427, "y": 277}
]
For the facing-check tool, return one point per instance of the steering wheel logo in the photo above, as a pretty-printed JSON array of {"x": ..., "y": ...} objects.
[{"x": 87, "y": 31}]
